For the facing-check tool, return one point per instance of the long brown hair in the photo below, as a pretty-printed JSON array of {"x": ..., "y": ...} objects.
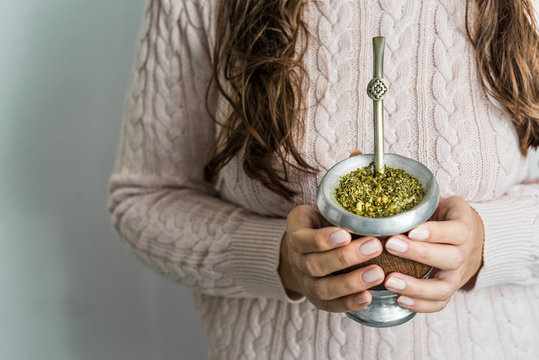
[
  {"x": 506, "y": 42},
  {"x": 259, "y": 71},
  {"x": 256, "y": 55}
]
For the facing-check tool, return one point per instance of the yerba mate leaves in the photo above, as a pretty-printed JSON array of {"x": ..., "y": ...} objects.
[{"x": 364, "y": 193}]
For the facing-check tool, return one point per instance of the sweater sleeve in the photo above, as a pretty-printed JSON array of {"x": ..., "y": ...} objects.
[
  {"x": 160, "y": 206},
  {"x": 511, "y": 249}
]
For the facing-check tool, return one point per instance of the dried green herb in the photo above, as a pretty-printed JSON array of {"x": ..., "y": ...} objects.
[{"x": 365, "y": 193}]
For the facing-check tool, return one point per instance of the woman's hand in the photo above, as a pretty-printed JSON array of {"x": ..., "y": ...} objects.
[
  {"x": 452, "y": 242},
  {"x": 310, "y": 252}
]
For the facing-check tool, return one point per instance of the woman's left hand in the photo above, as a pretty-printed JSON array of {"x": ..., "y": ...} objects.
[{"x": 452, "y": 242}]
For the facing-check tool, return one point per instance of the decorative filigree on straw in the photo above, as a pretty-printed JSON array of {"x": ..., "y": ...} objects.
[{"x": 376, "y": 90}]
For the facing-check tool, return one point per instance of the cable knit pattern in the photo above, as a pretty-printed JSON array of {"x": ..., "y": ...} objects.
[
  {"x": 452, "y": 125},
  {"x": 224, "y": 242},
  {"x": 334, "y": 58},
  {"x": 397, "y": 23}
]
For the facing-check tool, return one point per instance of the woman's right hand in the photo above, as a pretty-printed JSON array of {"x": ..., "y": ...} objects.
[{"x": 310, "y": 251}]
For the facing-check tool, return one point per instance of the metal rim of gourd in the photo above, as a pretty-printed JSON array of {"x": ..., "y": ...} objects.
[{"x": 336, "y": 214}]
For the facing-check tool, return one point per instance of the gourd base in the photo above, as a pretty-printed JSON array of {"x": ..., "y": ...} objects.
[{"x": 383, "y": 311}]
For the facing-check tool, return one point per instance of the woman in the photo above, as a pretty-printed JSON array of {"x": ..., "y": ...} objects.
[{"x": 226, "y": 206}]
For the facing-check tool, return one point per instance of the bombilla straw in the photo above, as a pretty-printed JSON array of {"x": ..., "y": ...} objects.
[{"x": 376, "y": 90}]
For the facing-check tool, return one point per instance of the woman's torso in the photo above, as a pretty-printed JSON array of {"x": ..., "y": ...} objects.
[{"x": 435, "y": 112}]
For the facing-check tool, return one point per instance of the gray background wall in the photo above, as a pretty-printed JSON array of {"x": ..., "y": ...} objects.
[{"x": 69, "y": 289}]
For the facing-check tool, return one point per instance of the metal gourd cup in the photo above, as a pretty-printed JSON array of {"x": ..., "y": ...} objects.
[{"x": 383, "y": 311}]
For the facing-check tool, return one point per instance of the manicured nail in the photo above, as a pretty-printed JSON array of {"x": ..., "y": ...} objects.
[
  {"x": 395, "y": 283},
  {"x": 339, "y": 237},
  {"x": 370, "y": 247},
  {"x": 361, "y": 299},
  {"x": 396, "y": 245},
  {"x": 372, "y": 275},
  {"x": 405, "y": 300},
  {"x": 419, "y": 233}
]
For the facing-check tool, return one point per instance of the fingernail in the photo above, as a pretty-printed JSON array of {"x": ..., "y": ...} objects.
[
  {"x": 395, "y": 283},
  {"x": 361, "y": 299},
  {"x": 339, "y": 237},
  {"x": 396, "y": 245},
  {"x": 372, "y": 275},
  {"x": 419, "y": 233},
  {"x": 370, "y": 247},
  {"x": 405, "y": 300}
]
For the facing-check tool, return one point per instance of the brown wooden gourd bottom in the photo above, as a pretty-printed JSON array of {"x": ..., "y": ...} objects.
[{"x": 390, "y": 263}]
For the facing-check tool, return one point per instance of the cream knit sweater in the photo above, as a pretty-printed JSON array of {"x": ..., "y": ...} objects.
[{"x": 224, "y": 243}]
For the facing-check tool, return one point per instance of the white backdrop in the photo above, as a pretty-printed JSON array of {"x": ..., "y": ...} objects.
[{"x": 69, "y": 289}]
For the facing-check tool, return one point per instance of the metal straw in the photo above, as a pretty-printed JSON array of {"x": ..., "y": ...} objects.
[{"x": 376, "y": 90}]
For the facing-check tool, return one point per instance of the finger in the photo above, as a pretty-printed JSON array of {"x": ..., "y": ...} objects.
[
  {"x": 451, "y": 208},
  {"x": 453, "y": 232},
  {"x": 333, "y": 287},
  {"x": 346, "y": 303},
  {"x": 355, "y": 152},
  {"x": 306, "y": 240},
  {"x": 441, "y": 256},
  {"x": 305, "y": 216},
  {"x": 424, "y": 289},
  {"x": 324, "y": 263},
  {"x": 420, "y": 305},
  {"x": 322, "y": 220}
]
